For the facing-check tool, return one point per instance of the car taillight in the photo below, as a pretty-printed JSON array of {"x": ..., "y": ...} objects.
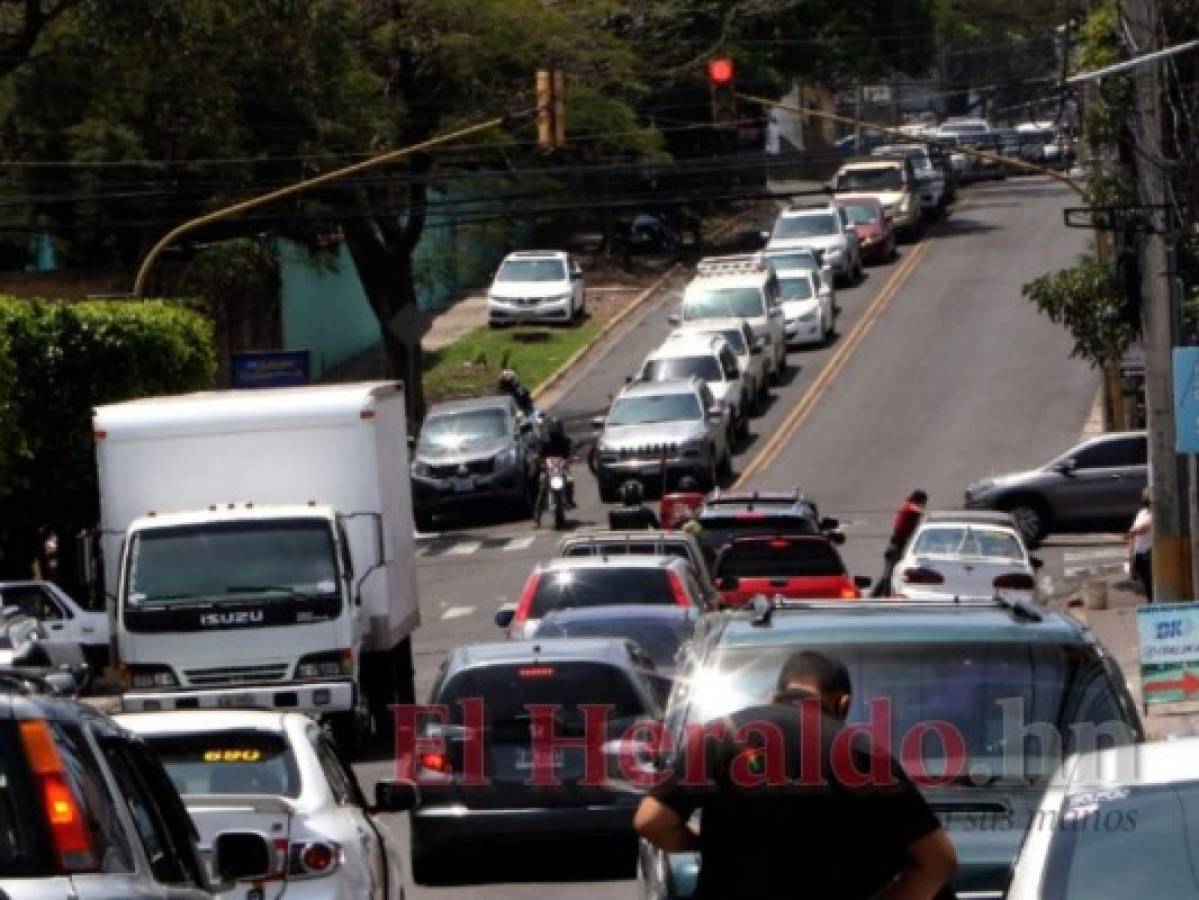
[
  {"x": 779, "y": 544},
  {"x": 526, "y": 600},
  {"x": 435, "y": 762},
  {"x": 1015, "y": 581},
  {"x": 680, "y": 592},
  {"x": 72, "y": 840},
  {"x": 849, "y": 592},
  {"x": 922, "y": 575},
  {"x": 313, "y": 859}
]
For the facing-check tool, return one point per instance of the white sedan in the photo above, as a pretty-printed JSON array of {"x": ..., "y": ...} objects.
[
  {"x": 966, "y": 554},
  {"x": 276, "y": 773},
  {"x": 807, "y": 307}
]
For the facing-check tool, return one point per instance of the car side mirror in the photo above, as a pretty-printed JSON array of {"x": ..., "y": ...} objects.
[
  {"x": 504, "y": 616},
  {"x": 1036, "y": 562},
  {"x": 395, "y": 796},
  {"x": 597, "y": 422},
  {"x": 862, "y": 582},
  {"x": 836, "y": 537},
  {"x": 675, "y": 319},
  {"x": 1066, "y": 466},
  {"x": 828, "y": 523},
  {"x": 242, "y": 856}
]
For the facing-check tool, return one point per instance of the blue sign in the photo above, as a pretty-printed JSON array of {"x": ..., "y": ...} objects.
[
  {"x": 1186, "y": 399},
  {"x": 269, "y": 368},
  {"x": 1169, "y": 641}
]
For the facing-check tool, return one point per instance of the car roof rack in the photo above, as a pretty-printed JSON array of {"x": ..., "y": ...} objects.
[
  {"x": 737, "y": 264},
  {"x": 720, "y": 497},
  {"x": 763, "y": 607}
]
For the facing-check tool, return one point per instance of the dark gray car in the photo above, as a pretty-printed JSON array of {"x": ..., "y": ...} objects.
[
  {"x": 471, "y": 450},
  {"x": 454, "y": 806},
  {"x": 1093, "y": 486}
]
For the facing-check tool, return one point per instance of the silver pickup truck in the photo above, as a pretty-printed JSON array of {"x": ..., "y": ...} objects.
[{"x": 644, "y": 543}]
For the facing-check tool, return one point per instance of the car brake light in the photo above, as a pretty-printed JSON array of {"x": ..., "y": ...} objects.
[
  {"x": 923, "y": 575},
  {"x": 536, "y": 672},
  {"x": 435, "y": 762},
  {"x": 72, "y": 841},
  {"x": 1015, "y": 581},
  {"x": 311, "y": 859},
  {"x": 849, "y": 592},
  {"x": 526, "y": 599},
  {"x": 779, "y": 544}
]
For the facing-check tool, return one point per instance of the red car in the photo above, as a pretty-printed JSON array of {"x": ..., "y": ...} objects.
[
  {"x": 873, "y": 226},
  {"x": 797, "y": 566}
]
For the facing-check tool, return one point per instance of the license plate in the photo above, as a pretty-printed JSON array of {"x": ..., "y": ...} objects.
[
  {"x": 524, "y": 759},
  {"x": 235, "y": 701},
  {"x": 464, "y": 485}
]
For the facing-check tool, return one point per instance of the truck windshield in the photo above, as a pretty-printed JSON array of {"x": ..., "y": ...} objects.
[{"x": 227, "y": 560}]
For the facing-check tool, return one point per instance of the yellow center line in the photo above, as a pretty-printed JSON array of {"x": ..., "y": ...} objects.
[{"x": 836, "y": 362}]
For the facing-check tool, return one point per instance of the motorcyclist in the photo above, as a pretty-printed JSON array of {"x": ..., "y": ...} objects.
[
  {"x": 631, "y": 515},
  {"x": 509, "y": 384},
  {"x": 555, "y": 443}
]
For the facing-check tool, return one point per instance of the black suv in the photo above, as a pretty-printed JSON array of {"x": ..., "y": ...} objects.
[
  {"x": 1005, "y": 678},
  {"x": 726, "y": 515},
  {"x": 90, "y": 814}
]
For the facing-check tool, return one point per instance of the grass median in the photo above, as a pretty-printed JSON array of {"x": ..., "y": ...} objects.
[{"x": 471, "y": 365}]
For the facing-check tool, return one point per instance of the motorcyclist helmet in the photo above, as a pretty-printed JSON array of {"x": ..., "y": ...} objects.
[{"x": 631, "y": 492}]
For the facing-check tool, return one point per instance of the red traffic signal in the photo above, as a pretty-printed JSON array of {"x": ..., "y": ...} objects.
[{"x": 720, "y": 71}]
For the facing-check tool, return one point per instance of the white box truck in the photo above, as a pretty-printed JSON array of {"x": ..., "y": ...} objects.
[{"x": 258, "y": 550}]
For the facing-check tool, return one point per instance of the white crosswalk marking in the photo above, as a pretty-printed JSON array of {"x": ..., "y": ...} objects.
[
  {"x": 457, "y": 612},
  {"x": 521, "y": 543},
  {"x": 464, "y": 548}
]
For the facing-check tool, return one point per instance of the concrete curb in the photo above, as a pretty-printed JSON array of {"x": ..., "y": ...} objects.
[{"x": 559, "y": 373}]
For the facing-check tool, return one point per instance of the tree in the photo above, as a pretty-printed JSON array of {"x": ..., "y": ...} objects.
[{"x": 21, "y": 24}]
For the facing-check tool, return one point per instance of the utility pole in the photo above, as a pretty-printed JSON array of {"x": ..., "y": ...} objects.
[{"x": 1171, "y": 538}]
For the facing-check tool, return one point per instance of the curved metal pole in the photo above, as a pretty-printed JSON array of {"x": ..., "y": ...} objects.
[{"x": 299, "y": 187}]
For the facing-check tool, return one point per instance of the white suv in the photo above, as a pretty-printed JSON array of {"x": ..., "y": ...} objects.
[
  {"x": 709, "y": 357},
  {"x": 536, "y": 285},
  {"x": 741, "y": 287},
  {"x": 824, "y": 229}
]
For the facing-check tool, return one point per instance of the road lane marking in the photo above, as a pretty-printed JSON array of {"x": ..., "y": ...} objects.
[
  {"x": 520, "y": 543},
  {"x": 457, "y": 612},
  {"x": 844, "y": 350}
]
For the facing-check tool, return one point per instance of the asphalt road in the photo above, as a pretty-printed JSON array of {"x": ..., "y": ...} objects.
[{"x": 942, "y": 374}]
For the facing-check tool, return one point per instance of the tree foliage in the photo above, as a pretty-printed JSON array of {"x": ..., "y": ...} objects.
[
  {"x": 71, "y": 358},
  {"x": 1086, "y": 299}
]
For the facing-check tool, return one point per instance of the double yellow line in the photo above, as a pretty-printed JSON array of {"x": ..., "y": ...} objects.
[{"x": 836, "y": 363}]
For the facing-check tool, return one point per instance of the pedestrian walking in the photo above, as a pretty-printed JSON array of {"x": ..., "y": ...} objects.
[
  {"x": 1140, "y": 544},
  {"x": 907, "y": 520},
  {"x": 775, "y": 825}
]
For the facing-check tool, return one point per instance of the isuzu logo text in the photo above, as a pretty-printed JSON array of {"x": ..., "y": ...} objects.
[{"x": 227, "y": 619}]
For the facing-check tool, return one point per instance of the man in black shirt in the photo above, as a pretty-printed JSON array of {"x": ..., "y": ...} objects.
[{"x": 785, "y": 811}]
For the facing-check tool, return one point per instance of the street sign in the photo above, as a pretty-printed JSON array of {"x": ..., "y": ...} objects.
[
  {"x": 1168, "y": 635},
  {"x": 1132, "y": 360},
  {"x": 1186, "y": 399},
  {"x": 269, "y": 368}
]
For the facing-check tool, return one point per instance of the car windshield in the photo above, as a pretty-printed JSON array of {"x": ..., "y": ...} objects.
[
  {"x": 648, "y": 409},
  {"x": 668, "y": 369},
  {"x": 779, "y": 559},
  {"x": 795, "y": 288},
  {"x": 232, "y": 560},
  {"x": 966, "y": 540},
  {"x": 808, "y": 225},
  {"x": 228, "y": 762},
  {"x": 1138, "y": 841},
  {"x": 881, "y": 178},
  {"x": 785, "y": 260},
  {"x": 658, "y": 637},
  {"x": 720, "y": 303},
  {"x": 862, "y": 215},
  {"x": 997, "y": 698},
  {"x": 575, "y": 588},
  {"x": 461, "y": 429},
  {"x": 507, "y": 692},
  {"x": 532, "y": 270}
]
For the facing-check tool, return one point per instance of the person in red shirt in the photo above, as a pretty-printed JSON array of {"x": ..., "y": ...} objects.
[{"x": 907, "y": 520}]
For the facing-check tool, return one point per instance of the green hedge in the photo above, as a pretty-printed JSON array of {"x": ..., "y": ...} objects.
[{"x": 57, "y": 362}]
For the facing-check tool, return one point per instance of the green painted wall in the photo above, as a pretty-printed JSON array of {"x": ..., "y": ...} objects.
[{"x": 324, "y": 308}]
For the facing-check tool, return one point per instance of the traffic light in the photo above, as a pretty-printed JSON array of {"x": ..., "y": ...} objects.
[{"x": 724, "y": 94}]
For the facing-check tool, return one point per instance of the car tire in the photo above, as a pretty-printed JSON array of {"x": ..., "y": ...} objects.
[{"x": 1031, "y": 517}]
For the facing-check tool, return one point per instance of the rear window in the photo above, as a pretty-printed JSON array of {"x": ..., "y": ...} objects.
[
  {"x": 507, "y": 691},
  {"x": 228, "y": 762},
  {"x": 600, "y": 587},
  {"x": 957, "y": 540},
  {"x": 780, "y": 559},
  {"x": 629, "y": 548},
  {"x": 719, "y": 529},
  {"x": 704, "y": 367}
]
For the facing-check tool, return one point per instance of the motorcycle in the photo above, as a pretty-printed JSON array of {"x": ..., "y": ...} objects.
[{"x": 555, "y": 477}]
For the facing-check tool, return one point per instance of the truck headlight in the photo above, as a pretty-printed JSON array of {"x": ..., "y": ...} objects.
[{"x": 326, "y": 665}]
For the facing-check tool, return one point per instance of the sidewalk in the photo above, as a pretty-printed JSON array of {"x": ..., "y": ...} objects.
[{"x": 1116, "y": 628}]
